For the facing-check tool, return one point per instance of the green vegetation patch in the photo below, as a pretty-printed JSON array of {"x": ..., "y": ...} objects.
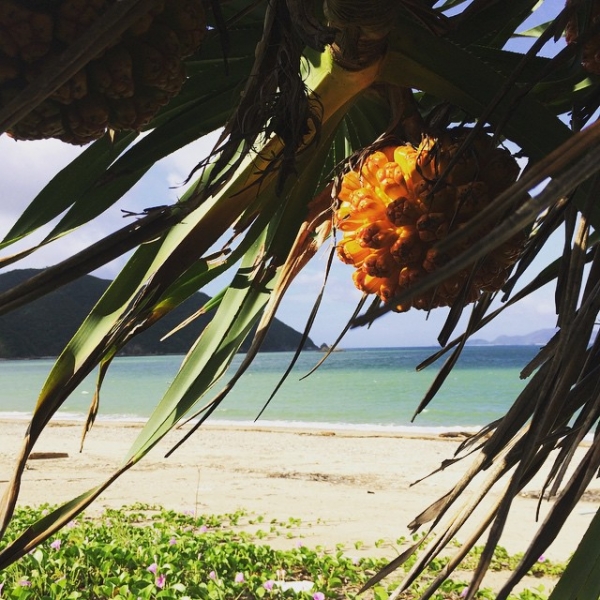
[{"x": 143, "y": 552}]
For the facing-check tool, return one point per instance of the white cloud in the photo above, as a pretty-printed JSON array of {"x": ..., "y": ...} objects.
[
  {"x": 26, "y": 167},
  {"x": 178, "y": 166}
]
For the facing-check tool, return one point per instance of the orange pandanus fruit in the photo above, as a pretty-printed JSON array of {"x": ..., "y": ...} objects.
[
  {"x": 402, "y": 200},
  {"x": 121, "y": 89}
]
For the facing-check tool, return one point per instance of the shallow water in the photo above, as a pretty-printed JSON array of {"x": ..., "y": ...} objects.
[{"x": 356, "y": 388}]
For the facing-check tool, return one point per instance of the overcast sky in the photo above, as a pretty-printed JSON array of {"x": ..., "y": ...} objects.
[{"x": 27, "y": 166}]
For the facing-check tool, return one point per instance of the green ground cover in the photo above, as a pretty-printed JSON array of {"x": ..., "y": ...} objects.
[{"x": 143, "y": 552}]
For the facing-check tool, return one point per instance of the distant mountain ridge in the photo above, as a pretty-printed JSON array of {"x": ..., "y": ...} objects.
[
  {"x": 43, "y": 327},
  {"x": 535, "y": 338}
]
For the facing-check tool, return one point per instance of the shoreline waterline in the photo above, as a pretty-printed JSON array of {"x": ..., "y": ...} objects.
[
  {"x": 354, "y": 389},
  {"x": 352, "y": 485},
  {"x": 301, "y": 429},
  {"x": 266, "y": 425}
]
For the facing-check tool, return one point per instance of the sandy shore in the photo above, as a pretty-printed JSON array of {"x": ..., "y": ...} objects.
[{"x": 344, "y": 486}]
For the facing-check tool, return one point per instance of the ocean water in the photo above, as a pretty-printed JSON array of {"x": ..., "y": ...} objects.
[{"x": 353, "y": 389}]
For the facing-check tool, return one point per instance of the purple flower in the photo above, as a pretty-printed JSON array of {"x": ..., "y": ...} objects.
[
  {"x": 318, "y": 596},
  {"x": 464, "y": 592},
  {"x": 160, "y": 581},
  {"x": 268, "y": 585},
  {"x": 239, "y": 578},
  {"x": 212, "y": 575},
  {"x": 542, "y": 558},
  {"x": 172, "y": 541},
  {"x": 203, "y": 529},
  {"x": 152, "y": 568},
  {"x": 55, "y": 545},
  {"x": 299, "y": 544},
  {"x": 25, "y": 583}
]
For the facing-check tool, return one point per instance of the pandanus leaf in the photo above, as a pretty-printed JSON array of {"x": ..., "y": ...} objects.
[
  {"x": 581, "y": 579},
  {"x": 134, "y": 297},
  {"x": 422, "y": 60}
]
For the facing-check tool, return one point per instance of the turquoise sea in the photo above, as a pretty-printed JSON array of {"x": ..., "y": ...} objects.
[{"x": 353, "y": 389}]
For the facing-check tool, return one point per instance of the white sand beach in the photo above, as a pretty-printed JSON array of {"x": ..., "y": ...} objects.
[{"x": 346, "y": 487}]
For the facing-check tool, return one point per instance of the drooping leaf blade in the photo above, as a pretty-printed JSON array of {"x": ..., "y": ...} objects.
[{"x": 421, "y": 60}]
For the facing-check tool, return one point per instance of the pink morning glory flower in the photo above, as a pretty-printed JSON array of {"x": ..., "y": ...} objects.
[
  {"x": 464, "y": 593},
  {"x": 172, "y": 541},
  {"x": 542, "y": 558},
  {"x": 160, "y": 581},
  {"x": 55, "y": 545},
  {"x": 25, "y": 583},
  {"x": 239, "y": 578},
  {"x": 268, "y": 585},
  {"x": 152, "y": 568},
  {"x": 212, "y": 575},
  {"x": 203, "y": 529},
  {"x": 318, "y": 596}
]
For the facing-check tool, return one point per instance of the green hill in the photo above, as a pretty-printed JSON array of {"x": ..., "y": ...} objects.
[{"x": 43, "y": 327}]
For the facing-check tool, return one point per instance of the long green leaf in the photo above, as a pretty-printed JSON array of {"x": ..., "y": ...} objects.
[
  {"x": 534, "y": 32},
  {"x": 581, "y": 578},
  {"x": 208, "y": 360},
  {"x": 421, "y": 60},
  {"x": 243, "y": 300},
  {"x": 292, "y": 205},
  {"x": 41, "y": 530}
]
